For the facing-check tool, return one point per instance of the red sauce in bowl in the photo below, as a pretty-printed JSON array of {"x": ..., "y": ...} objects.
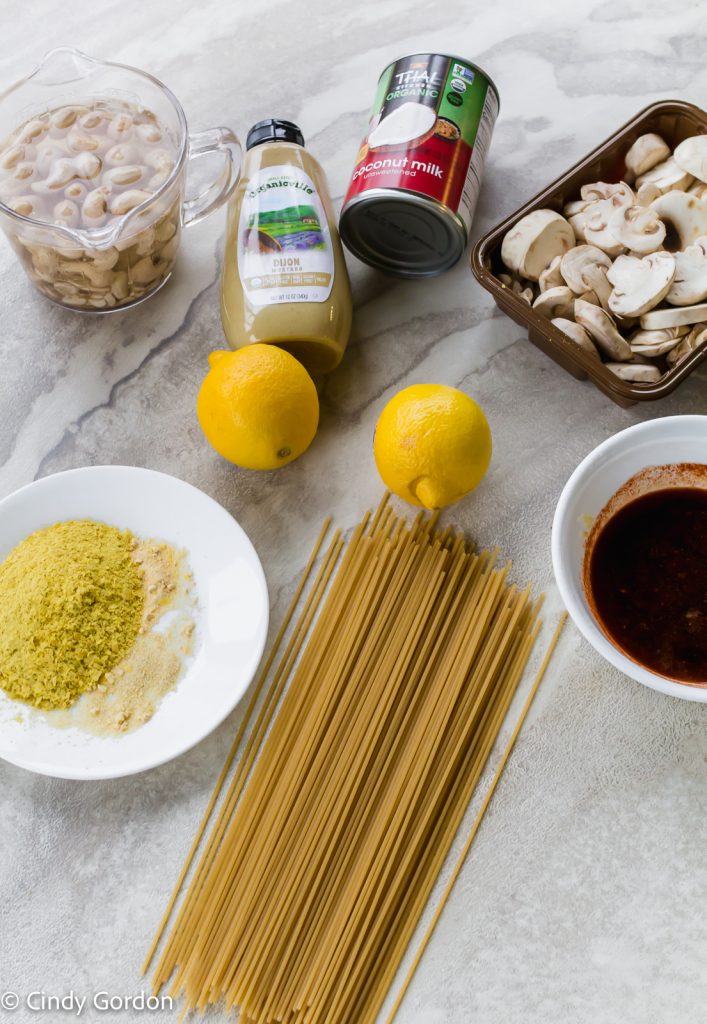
[{"x": 645, "y": 577}]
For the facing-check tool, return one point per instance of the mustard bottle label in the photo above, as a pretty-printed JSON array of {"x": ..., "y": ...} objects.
[{"x": 284, "y": 245}]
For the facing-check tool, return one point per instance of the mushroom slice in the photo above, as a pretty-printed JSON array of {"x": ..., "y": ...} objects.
[
  {"x": 656, "y": 343},
  {"x": 551, "y": 276},
  {"x": 691, "y": 156},
  {"x": 577, "y": 334},
  {"x": 599, "y": 190},
  {"x": 690, "y": 282},
  {"x": 638, "y": 228},
  {"x": 647, "y": 151},
  {"x": 576, "y": 206},
  {"x": 697, "y": 188},
  {"x": 647, "y": 193},
  {"x": 603, "y": 330},
  {"x": 532, "y": 244},
  {"x": 686, "y": 345},
  {"x": 637, "y": 373},
  {"x": 555, "y": 302},
  {"x": 640, "y": 284},
  {"x": 674, "y": 316},
  {"x": 666, "y": 176},
  {"x": 584, "y": 269},
  {"x": 575, "y": 264},
  {"x": 684, "y": 215},
  {"x": 596, "y": 227}
]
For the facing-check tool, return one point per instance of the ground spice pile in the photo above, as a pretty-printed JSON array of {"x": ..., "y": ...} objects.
[{"x": 71, "y": 606}]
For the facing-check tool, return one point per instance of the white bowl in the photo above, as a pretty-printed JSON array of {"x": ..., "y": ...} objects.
[
  {"x": 662, "y": 441},
  {"x": 231, "y": 617}
]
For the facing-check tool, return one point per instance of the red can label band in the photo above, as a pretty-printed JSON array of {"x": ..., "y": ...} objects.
[{"x": 429, "y": 131}]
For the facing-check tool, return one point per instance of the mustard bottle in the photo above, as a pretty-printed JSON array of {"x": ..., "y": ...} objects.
[{"x": 284, "y": 278}]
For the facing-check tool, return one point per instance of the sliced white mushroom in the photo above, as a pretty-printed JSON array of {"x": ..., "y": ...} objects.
[
  {"x": 532, "y": 244},
  {"x": 652, "y": 344},
  {"x": 599, "y": 190},
  {"x": 551, "y": 276},
  {"x": 640, "y": 284},
  {"x": 637, "y": 373},
  {"x": 690, "y": 282},
  {"x": 697, "y": 188},
  {"x": 575, "y": 264},
  {"x": 647, "y": 193},
  {"x": 602, "y": 329},
  {"x": 596, "y": 227},
  {"x": 685, "y": 217},
  {"x": 647, "y": 151},
  {"x": 584, "y": 269},
  {"x": 576, "y": 206},
  {"x": 578, "y": 222},
  {"x": 555, "y": 302},
  {"x": 639, "y": 228},
  {"x": 577, "y": 334},
  {"x": 674, "y": 316},
  {"x": 591, "y": 297},
  {"x": 687, "y": 345},
  {"x": 667, "y": 176},
  {"x": 691, "y": 156}
]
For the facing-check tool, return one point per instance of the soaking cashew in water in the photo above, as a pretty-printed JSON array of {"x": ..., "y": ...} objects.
[
  {"x": 622, "y": 271},
  {"x": 84, "y": 167}
]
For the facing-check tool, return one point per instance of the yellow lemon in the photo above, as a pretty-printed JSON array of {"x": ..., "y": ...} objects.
[
  {"x": 432, "y": 445},
  {"x": 258, "y": 406}
]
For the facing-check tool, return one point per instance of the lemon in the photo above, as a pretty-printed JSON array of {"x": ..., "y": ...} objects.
[
  {"x": 432, "y": 445},
  {"x": 258, "y": 406}
]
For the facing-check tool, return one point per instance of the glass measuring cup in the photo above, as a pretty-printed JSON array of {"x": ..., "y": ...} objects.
[{"x": 86, "y": 239}]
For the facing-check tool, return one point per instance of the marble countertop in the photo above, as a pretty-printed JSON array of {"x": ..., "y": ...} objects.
[{"x": 583, "y": 899}]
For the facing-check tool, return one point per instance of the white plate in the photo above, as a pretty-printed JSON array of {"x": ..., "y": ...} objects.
[
  {"x": 231, "y": 617},
  {"x": 658, "y": 442}
]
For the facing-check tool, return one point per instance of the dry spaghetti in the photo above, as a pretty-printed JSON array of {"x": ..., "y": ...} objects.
[{"x": 391, "y": 691}]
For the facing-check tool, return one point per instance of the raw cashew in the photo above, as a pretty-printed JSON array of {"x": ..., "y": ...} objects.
[
  {"x": 146, "y": 271},
  {"x": 128, "y": 174},
  {"x": 127, "y": 201}
]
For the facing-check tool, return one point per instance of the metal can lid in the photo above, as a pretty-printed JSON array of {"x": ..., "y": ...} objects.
[{"x": 402, "y": 233}]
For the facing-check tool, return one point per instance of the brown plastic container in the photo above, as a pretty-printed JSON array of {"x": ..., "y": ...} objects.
[{"x": 675, "y": 121}]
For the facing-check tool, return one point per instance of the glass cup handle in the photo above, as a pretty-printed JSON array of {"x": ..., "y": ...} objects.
[{"x": 213, "y": 140}]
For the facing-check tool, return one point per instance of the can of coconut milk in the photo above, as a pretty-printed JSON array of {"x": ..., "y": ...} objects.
[{"x": 413, "y": 191}]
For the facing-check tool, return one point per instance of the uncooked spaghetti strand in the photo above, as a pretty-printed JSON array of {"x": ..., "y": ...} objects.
[
  {"x": 391, "y": 859},
  {"x": 477, "y": 821},
  {"x": 420, "y": 750},
  {"x": 431, "y": 803},
  {"x": 405, "y": 920},
  {"x": 393, "y": 666},
  {"x": 291, "y": 650},
  {"x": 289, "y": 877},
  {"x": 222, "y": 901},
  {"x": 450, "y": 655},
  {"x": 403, "y": 926},
  {"x": 392, "y": 730},
  {"x": 237, "y": 741}
]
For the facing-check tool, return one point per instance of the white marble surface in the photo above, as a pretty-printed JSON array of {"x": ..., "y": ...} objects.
[{"x": 584, "y": 898}]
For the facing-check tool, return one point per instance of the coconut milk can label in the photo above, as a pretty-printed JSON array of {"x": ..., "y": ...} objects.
[
  {"x": 284, "y": 246},
  {"x": 429, "y": 131}
]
